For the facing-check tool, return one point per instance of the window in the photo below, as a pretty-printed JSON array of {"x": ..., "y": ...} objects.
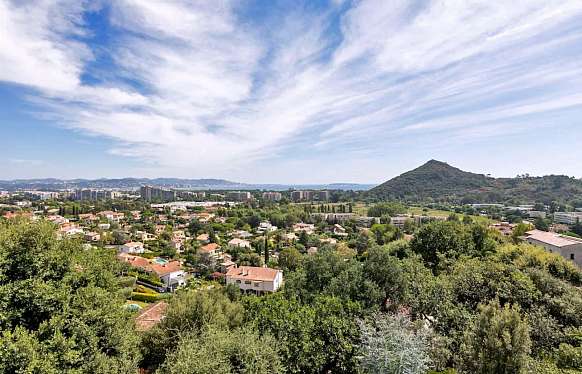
[
  {"x": 571, "y": 256},
  {"x": 257, "y": 284},
  {"x": 238, "y": 281},
  {"x": 247, "y": 282}
]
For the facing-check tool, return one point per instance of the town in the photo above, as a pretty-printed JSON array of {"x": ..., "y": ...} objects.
[{"x": 290, "y": 187}]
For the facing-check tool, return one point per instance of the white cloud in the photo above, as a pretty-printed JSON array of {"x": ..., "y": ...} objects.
[{"x": 219, "y": 92}]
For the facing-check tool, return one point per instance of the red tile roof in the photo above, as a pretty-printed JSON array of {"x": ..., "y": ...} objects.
[
  {"x": 209, "y": 248},
  {"x": 252, "y": 273},
  {"x": 151, "y": 316}
]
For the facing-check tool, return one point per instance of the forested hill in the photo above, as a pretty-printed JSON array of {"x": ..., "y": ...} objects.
[{"x": 437, "y": 181}]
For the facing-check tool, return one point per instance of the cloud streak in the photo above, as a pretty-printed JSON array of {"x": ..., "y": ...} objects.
[{"x": 197, "y": 87}]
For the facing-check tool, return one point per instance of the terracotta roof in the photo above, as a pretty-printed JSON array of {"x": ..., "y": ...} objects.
[
  {"x": 252, "y": 273},
  {"x": 151, "y": 316},
  {"x": 163, "y": 269},
  {"x": 135, "y": 261},
  {"x": 147, "y": 265},
  {"x": 552, "y": 238},
  {"x": 202, "y": 237},
  {"x": 211, "y": 247}
]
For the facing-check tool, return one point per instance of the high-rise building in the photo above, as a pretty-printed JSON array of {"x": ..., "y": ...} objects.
[
  {"x": 149, "y": 193},
  {"x": 310, "y": 195},
  {"x": 238, "y": 196},
  {"x": 90, "y": 194},
  {"x": 272, "y": 196}
]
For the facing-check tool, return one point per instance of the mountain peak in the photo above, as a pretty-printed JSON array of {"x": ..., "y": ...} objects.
[{"x": 432, "y": 180}]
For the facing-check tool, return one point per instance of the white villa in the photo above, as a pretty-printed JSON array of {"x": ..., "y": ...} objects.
[{"x": 255, "y": 279}]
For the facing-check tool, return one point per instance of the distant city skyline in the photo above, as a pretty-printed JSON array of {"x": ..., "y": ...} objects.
[{"x": 289, "y": 93}]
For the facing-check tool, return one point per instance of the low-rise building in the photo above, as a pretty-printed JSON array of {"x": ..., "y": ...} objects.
[
  {"x": 133, "y": 247},
  {"x": 169, "y": 272},
  {"x": 568, "y": 247},
  {"x": 92, "y": 236},
  {"x": 568, "y": 218},
  {"x": 308, "y": 228},
  {"x": 266, "y": 227},
  {"x": 256, "y": 280},
  {"x": 504, "y": 228},
  {"x": 240, "y": 243}
]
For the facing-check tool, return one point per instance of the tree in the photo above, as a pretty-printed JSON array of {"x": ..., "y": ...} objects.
[
  {"x": 542, "y": 224},
  {"x": 391, "y": 345},
  {"x": 289, "y": 259},
  {"x": 62, "y": 309},
  {"x": 497, "y": 342},
  {"x": 441, "y": 243},
  {"x": 119, "y": 237},
  {"x": 318, "y": 337},
  {"x": 217, "y": 350},
  {"x": 189, "y": 313}
]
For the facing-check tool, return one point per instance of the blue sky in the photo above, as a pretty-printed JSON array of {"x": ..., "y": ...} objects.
[{"x": 289, "y": 91}]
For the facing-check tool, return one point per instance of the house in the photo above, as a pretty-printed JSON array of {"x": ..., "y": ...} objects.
[
  {"x": 169, "y": 272},
  {"x": 204, "y": 217},
  {"x": 308, "y": 228},
  {"x": 505, "y": 228},
  {"x": 226, "y": 263},
  {"x": 242, "y": 234},
  {"x": 111, "y": 216},
  {"x": 88, "y": 217},
  {"x": 69, "y": 229},
  {"x": 256, "y": 280},
  {"x": 568, "y": 247},
  {"x": 266, "y": 227},
  {"x": 339, "y": 230},
  {"x": 203, "y": 238},
  {"x": 144, "y": 236},
  {"x": 104, "y": 226},
  {"x": 240, "y": 243},
  {"x": 56, "y": 219},
  {"x": 177, "y": 244},
  {"x": 151, "y": 316},
  {"x": 92, "y": 236},
  {"x": 210, "y": 252},
  {"x": 132, "y": 247}
]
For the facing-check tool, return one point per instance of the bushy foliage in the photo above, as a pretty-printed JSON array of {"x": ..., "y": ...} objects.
[
  {"x": 61, "y": 308},
  {"x": 392, "y": 345}
]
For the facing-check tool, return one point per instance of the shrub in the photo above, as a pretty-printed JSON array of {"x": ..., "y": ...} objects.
[{"x": 148, "y": 297}]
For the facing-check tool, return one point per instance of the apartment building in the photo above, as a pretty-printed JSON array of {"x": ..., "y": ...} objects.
[
  {"x": 272, "y": 196},
  {"x": 567, "y": 218}
]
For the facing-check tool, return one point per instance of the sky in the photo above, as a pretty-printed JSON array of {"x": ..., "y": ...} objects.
[{"x": 289, "y": 91}]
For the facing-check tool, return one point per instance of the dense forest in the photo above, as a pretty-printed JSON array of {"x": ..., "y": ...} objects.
[
  {"x": 456, "y": 298},
  {"x": 437, "y": 181}
]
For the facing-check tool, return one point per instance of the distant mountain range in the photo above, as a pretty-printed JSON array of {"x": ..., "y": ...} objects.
[
  {"x": 439, "y": 182},
  {"x": 51, "y": 184}
]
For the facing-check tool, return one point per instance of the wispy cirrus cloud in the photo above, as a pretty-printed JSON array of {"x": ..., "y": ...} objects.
[{"x": 197, "y": 86}]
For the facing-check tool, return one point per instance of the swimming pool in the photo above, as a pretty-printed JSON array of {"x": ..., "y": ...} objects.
[{"x": 160, "y": 261}]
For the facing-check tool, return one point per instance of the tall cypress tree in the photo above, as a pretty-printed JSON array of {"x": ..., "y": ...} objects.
[{"x": 266, "y": 249}]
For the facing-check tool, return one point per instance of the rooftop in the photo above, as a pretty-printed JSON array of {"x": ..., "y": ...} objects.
[
  {"x": 552, "y": 238},
  {"x": 253, "y": 273}
]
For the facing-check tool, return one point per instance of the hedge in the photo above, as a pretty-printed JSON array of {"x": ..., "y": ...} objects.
[
  {"x": 148, "y": 279},
  {"x": 148, "y": 297}
]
